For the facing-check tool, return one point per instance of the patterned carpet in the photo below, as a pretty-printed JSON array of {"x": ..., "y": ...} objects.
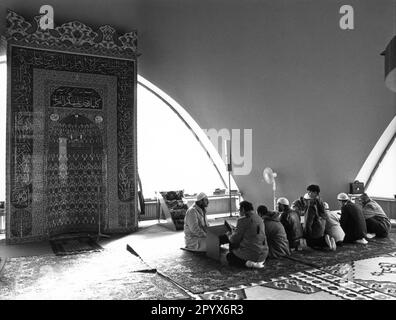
[
  {"x": 63, "y": 247},
  {"x": 353, "y": 272},
  {"x": 345, "y": 281},
  {"x": 377, "y": 273},
  {"x": 345, "y": 253},
  {"x": 199, "y": 274},
  {"x": 95, "y": 275}
]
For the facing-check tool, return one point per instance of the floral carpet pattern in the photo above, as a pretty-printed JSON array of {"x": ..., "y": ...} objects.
[
  {"x": 238, "y": 294},
  {"x": 292, "y": 284},
  {"x": 345, "y": 253},
  {"x": 200, "y": 274},
  {"x": 377, "y": 274}
]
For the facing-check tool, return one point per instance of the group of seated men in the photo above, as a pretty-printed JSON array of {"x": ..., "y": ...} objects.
[{"x": 263, "y": 234}]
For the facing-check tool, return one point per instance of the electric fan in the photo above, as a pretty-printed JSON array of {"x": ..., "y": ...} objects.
[{"x": 269, "y": 177}]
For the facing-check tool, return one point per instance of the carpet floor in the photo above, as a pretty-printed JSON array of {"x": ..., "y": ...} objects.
[
  {"x": 345, "y": 253},
  {"x": 94, "y": 275}
]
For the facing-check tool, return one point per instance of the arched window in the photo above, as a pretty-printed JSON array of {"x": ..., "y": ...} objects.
[
  {"x": 379, "y": 170},
  {"x": 173, "y": 151}
]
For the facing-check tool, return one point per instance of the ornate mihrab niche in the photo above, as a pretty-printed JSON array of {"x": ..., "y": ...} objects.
[{"x": 71, "y": 131}]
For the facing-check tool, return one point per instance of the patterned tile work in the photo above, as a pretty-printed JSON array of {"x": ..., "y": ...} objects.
[{"x": 23, "y": 62}]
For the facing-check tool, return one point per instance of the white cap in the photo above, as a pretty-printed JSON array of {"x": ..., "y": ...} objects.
[
  {"x": 201, "y": 196},
  {"x": 307, "y": 196},
  {"x": 326, "y": 205},
  {"x": 283, "y": 200},
  {"x": 342, "y": 196}
]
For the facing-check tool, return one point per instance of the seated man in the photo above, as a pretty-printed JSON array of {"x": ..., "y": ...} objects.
[
  {"x": 314, "y": 195},
  {"x": 377, "y": 221},
  {"x": 275, "y": 232},
  {"x": 195, "y": 224},
  {"x": 291, "y": 222},
  {"x": 333, "y": 227},
  {"x": 299, "y": 206},
  {"x": 248, "y": 244},
  {"x": 315, "y": 224},
  {"x": 352, "y": 220}
]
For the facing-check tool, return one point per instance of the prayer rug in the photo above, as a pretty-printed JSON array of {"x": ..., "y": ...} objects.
[
  {"x": 92, "y": 275},
  {"x": 238, "y": 294},
  {"x": 63, "y": 247},
  {"x": 346, "y": 252}
]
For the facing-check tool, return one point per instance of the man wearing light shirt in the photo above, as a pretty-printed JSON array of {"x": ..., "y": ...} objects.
[{"x": 195, "y": 224}]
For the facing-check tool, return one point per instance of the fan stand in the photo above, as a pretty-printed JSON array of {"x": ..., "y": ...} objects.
[
  {"x": 229, "y": 192},
  {"x": 274, "y": 193}
]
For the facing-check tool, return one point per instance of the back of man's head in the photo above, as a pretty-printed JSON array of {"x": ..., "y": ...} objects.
[
  {"x": 246, "y": 206},
  {"x": 262, "y": 210},
  {"x": 364, "y": 198}
]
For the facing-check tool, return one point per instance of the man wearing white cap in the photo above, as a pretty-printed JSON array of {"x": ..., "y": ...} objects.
[
  {"x": 352, "y": 220},
  {"x": 195, "y": 224}
]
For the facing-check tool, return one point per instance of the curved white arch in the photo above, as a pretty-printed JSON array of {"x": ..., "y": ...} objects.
[
  {"x": 377, "y": 152},
  {"x": 192, "y": 125}
]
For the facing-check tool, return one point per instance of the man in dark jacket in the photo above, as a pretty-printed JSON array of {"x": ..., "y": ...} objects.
[
  {"x": 377, "y": 221},
  {"x": 247, "y": 240},
  {"x": 275, "y": 232},
  {"x": 315, "y": 225},
  {"x": 291, "y": 222},
  {"x": 313, "y": 191},
  {"x": 352, "y": 220}
]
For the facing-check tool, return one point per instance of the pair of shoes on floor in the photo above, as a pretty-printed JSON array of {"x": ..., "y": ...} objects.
[
  {"x": 330, "y": 241},
  {"x": 361, "y": 241},
  {"x": 370, "y": 235},
  {"x": 252, "y": 264}
]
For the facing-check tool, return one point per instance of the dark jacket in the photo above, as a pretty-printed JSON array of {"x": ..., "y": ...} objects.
[
  {"x": 315, "y": 222},
  {"x": 276, "y": 235},
  {"x": 249, "y": 238},
  {"x": 352, "y": 222},
  {"x": 292, "y": 224}
]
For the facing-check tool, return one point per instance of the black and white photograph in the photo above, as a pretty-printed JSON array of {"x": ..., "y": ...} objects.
[{"x": 183, "y": 152}]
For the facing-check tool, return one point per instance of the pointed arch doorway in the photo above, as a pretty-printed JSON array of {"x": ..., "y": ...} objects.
[{"x": 75, "y": 174}]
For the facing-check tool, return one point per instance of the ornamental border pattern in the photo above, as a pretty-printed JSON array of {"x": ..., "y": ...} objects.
[{"x": 72, "y": 36}]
